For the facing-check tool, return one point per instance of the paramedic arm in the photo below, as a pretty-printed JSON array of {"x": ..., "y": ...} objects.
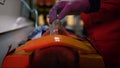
[{"x": 64, "y": 7}]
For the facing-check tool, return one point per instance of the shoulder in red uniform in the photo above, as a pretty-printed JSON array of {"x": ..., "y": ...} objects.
[{"x": 103, "y": 28}]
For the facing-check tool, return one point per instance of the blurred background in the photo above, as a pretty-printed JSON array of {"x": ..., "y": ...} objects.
[{"x": 17, "y": 21}]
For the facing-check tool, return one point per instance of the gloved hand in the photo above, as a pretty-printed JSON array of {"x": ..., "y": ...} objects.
[{"x": 62, "y": 8}]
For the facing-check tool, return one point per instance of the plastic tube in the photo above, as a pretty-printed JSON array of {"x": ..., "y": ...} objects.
[{"x": 32, "y": 11}]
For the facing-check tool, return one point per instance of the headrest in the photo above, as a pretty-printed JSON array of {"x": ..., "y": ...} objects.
[{"x": 57, "y": 40}]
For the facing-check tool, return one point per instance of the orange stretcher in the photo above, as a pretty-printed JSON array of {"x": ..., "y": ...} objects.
[{"x": 89, "y": 58}]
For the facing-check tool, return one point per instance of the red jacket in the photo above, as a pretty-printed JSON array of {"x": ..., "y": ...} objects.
[{"x": 103, "y": 28}]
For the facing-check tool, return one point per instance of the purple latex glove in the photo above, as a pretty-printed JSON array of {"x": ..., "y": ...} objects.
[{"x": 62, "y": 8}]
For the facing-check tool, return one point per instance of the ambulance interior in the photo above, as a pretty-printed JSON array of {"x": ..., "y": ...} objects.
[{"x": 20, "y": 18}]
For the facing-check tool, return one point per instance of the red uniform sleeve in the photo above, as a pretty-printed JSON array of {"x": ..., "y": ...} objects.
[{"x": 94, "y": 6}]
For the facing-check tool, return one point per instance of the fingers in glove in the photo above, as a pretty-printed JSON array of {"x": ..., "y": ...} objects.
[{"x": 64, "y": 12}]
